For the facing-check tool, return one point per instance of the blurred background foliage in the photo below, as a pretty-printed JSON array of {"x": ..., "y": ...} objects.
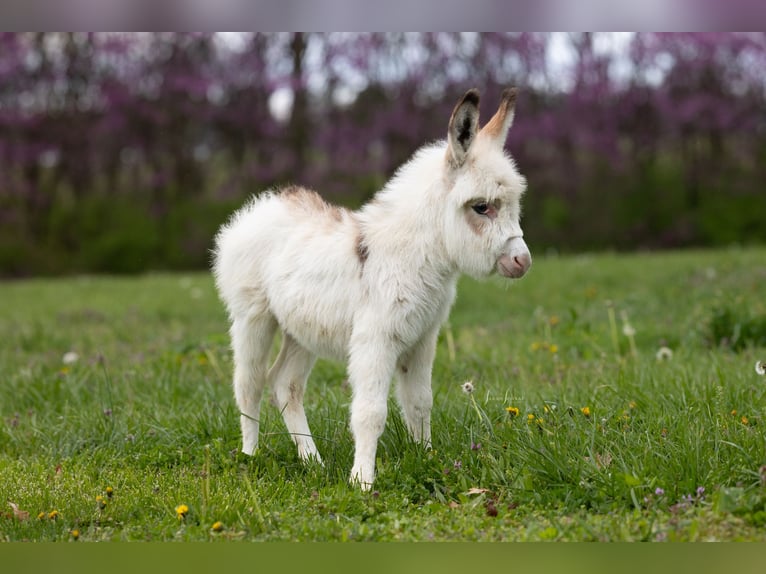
[{"x": 125, "y": 152}]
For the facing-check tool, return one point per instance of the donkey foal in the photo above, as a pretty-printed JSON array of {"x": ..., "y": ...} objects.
[{"x": 369, "y": 287}]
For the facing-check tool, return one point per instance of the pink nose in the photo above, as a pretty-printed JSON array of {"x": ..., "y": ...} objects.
[
  {"x": 522, "y": 263},
  {"x": 514, "y": 267}
]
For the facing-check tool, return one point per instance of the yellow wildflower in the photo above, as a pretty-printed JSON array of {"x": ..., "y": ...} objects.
[
  {"x": 41, "y": 516},
  {"x": 109, "y": 492},
  {"x": 553, "y": 349},
  {"x": 632, "y": 404},
  {"x": 734, "y": 412},
  {"x": 53, "y": 514},
  {"x": 535, "y": 346},
  {"x": 75, "y": 533},
  {"x": 181, "y": 511},
  {"x": 513, "y": 411},
  {"x": 101, "y": 501},
  {"x": 530, "y": 418},
  {"x": 554, "y": 320},
  {"x": 744, "y": 420},
  {"x": 585, "y": 411},
  {"x": 217, "y": 526}
]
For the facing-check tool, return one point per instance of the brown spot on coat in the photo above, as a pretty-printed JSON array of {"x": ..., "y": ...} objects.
[
  {"x": 362, "y": 251},
  {"x": 310, "y": 201},
  {"x": 476, "y": 222}
]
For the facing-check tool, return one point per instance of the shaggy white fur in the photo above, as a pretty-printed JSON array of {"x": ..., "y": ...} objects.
[{"x": 369, "y": 287}]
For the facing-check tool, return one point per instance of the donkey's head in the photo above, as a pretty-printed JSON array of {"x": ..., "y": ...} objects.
[{"x": 484, "y": 190}]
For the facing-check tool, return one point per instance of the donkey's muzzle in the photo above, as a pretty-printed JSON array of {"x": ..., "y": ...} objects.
[{"x": 514, "y": 266}]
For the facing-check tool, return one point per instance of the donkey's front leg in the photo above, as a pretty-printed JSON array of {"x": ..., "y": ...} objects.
[
  {"x": 371, "y": 366},
  {"x": 413, "y": 390}
]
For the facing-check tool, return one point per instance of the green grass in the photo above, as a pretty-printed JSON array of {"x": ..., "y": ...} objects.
[{"x": 148, "y": 411}]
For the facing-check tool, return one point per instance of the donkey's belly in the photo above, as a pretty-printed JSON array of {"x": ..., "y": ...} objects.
[
  {"x": 320, "y": 337},
  {"x": 315, "y": 312}
]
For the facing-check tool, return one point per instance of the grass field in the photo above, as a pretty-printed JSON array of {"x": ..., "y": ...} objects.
[{"x": 575, "y": 429}]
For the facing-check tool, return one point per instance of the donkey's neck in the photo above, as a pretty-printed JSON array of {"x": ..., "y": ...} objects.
[{"x": 406, "y": 216}]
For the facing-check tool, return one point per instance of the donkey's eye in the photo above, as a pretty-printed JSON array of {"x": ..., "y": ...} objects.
[{"x": 481, "y": 208}]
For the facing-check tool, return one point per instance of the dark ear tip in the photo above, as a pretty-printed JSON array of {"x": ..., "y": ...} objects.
[
  {"x": 471, "y": 96},
  {"x": 509, "y": 94}
]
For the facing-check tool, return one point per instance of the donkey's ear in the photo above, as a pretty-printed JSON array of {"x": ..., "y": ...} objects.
[
  {"x": 463, "y": 126},
  {"x": 496, "y": 129}
]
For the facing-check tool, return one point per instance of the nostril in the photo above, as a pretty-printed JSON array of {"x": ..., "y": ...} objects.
[{"x": 518, "y": 262}]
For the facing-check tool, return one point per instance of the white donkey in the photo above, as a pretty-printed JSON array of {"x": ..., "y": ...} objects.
[{"x": 370, "y": 287}]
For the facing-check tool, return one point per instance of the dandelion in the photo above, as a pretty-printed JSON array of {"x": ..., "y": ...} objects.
[
  {"x": 101, "y": 501},
  {"x": 53, "y": 515},
  {"x": 109, "y": 492},
  {"x": 734, "y": 412},
  {"x": 41, "y": 516},
  {"x": 630, "y": 333},
  {"x": 744, "y": 420},
  {"x": 553, "y": 349},
  {"x": 70, "y": 358},
  {"x": 467, "y": 387},
  {"x": 530, "y": 418},
  {"x": 760, "y": 367},
  {"x": 75, "y": 534},
  {"x": 659, "y": 492},
  {"x": 632, "y": 405},
  {"x": 217, "y": 526},
  {"x": 664, "y": 354},
  {"x": 513, "y": 411},
  {"x": 181, "y": 511},
  {"x": 536, "y": 346},
  {"x": 585, "y": 411}
]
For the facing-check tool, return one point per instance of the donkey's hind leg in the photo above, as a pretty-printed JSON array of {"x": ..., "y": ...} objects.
[
  {"x": 288, "y": 381},
  {"x": 251, "y": 339}
]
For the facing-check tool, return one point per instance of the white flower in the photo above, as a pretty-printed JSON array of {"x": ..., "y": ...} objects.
[
  {"x": 760, "y": 367},
  {"x": 467, "y": 387},
  {"x": 70, "y": 358},
  {"x": 628, "y": 330},
  {"x": 664, "y": 354}
]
